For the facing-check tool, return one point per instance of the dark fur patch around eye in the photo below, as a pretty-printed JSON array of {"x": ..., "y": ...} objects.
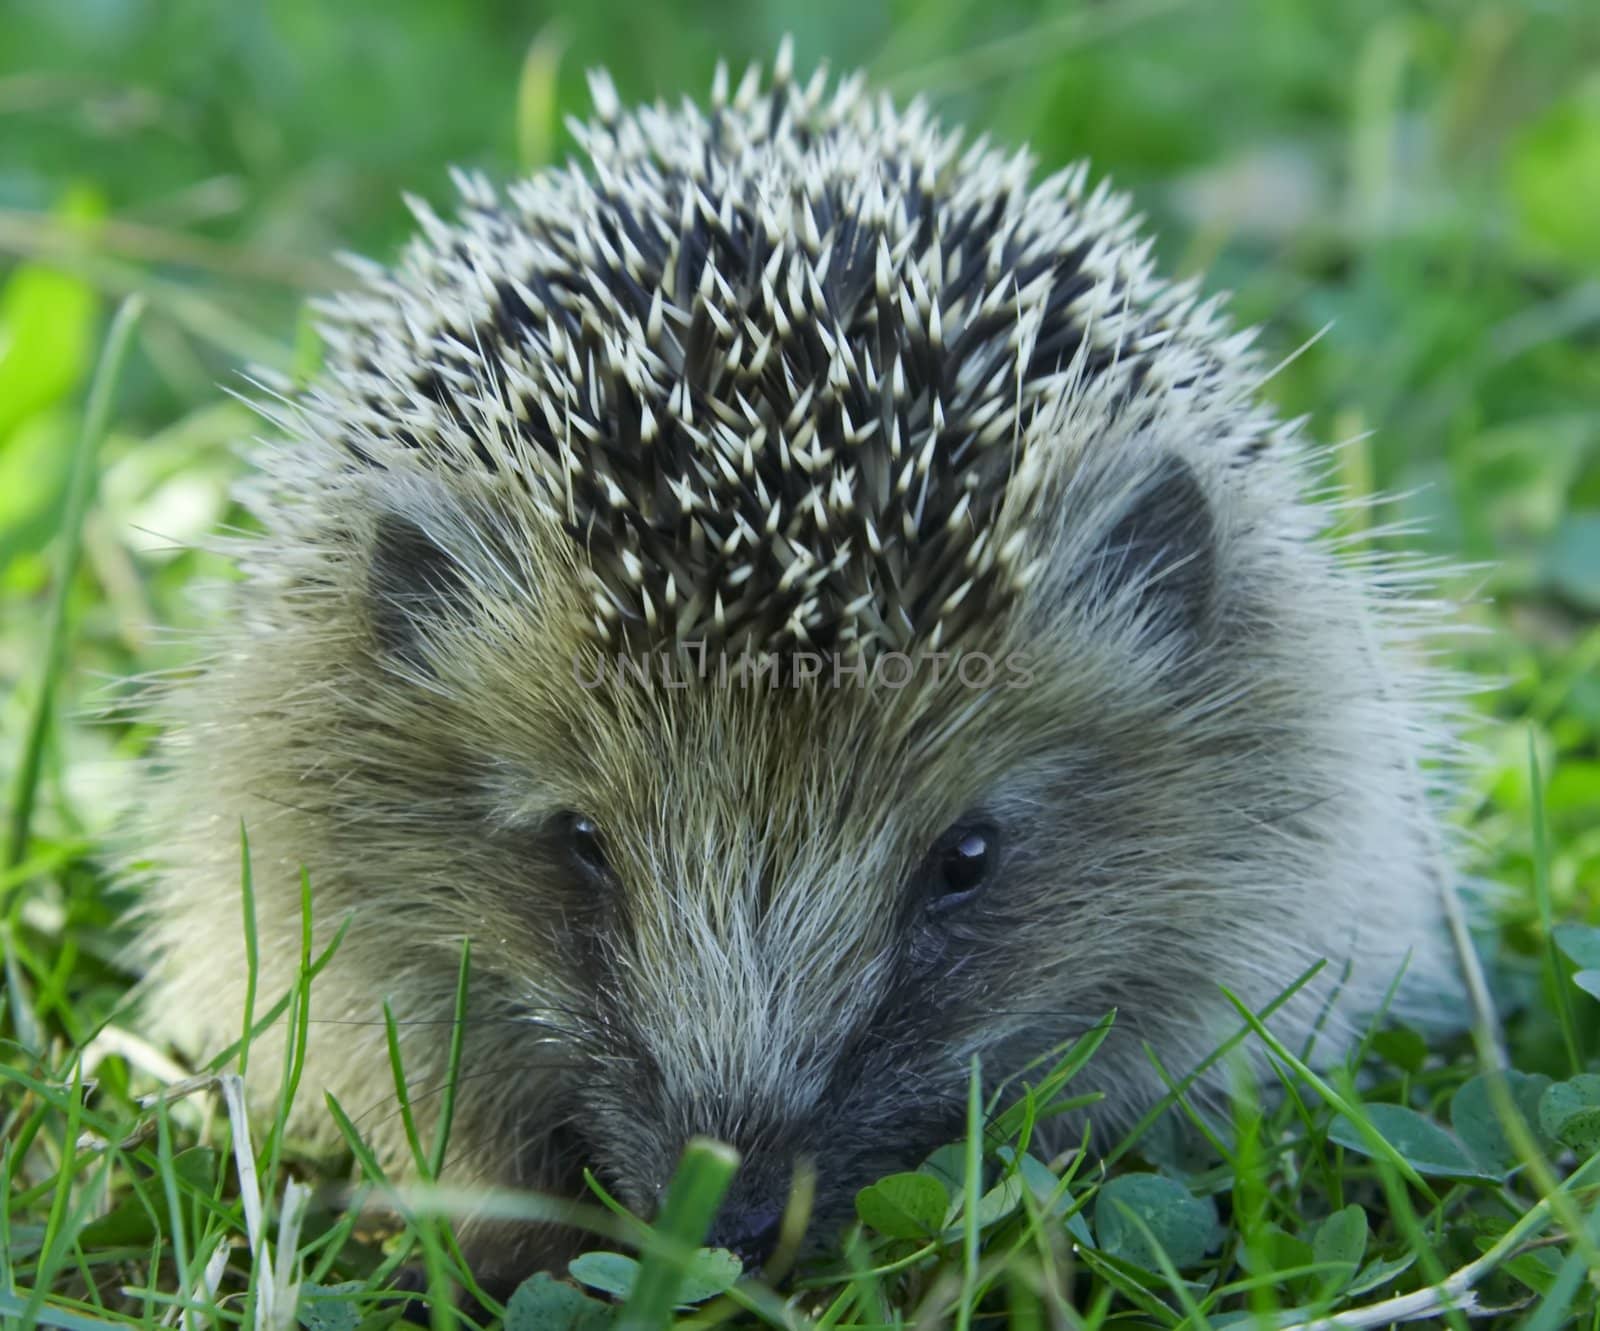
[
  {"x": 1164, "y": 548},
  {"x": 410, "y": 581}
]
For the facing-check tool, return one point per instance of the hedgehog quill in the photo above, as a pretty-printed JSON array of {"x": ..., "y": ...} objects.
[{"x": 798, "y": 378}]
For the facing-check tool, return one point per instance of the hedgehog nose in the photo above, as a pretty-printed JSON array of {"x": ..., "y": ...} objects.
[{"x": 750, "y": 1232}]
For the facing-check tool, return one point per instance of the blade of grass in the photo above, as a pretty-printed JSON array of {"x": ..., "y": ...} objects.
[
  {"x": 7, "y": 1167},
  {"x": 54, "y": 1222},
  {"x": 295, "y": 1045},
  {"x": 227, "y": 1055},
  {"x": 458, "y": 1030},
  {"x": 391, "y": 1035},
  {"x": 693, "y": 1196},
  {"x": 1131, "y": 1139},
  {"x": 1374, "y": 1138},
  {"x": 429, "y": 1231},
  {"x": 1555, "y": 969},
  {"x": 1552, "y": 1312},
  {"x": 80, "y": 492},
  {"x": 374, "y": 1176},
  {"x": 1409, "y": 1225},
  {"x": 972, "y": 1192},
  {"x": 1135, "y": 1293},
  {"x": 176, "y": 1228},
  {"x": 1193, "y": 1316},
  {"x": 1006, "y": 1125},
  {"x": 11, "y": 1305}
]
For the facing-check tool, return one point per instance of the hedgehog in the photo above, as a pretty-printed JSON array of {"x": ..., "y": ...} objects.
[{"x": 812, "y": 610}]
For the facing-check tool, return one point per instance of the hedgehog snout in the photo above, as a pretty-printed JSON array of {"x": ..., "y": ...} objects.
[{"x": 748, "y": 1228}]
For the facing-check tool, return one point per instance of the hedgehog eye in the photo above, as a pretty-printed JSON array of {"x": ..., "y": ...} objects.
[
  {"x": 583, "y": 836},
  {"x": 962, "y": 862}
]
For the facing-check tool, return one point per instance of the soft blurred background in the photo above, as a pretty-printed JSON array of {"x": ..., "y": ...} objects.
[{"x": 1420, "y": 179}]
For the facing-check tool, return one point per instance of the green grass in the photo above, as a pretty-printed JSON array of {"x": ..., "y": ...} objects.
[{"x": 1419, "y": 178}]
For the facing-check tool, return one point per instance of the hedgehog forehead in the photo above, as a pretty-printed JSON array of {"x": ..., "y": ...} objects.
[
  {"x": 827, "y": 776},
  {"x": 778, "y": 369}
]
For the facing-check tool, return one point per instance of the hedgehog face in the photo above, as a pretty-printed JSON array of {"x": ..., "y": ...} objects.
[
  {"x": 776, "y": 910},
  {"x": 783, "y": 957}
]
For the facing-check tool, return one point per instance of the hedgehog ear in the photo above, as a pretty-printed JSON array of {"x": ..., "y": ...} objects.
[
  {"x": 1162, "y": 551},
  {"x": 411, "y": 582}
]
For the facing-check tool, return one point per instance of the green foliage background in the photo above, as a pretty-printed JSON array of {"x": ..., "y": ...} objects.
[{"x": 1418, "y": 178}]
